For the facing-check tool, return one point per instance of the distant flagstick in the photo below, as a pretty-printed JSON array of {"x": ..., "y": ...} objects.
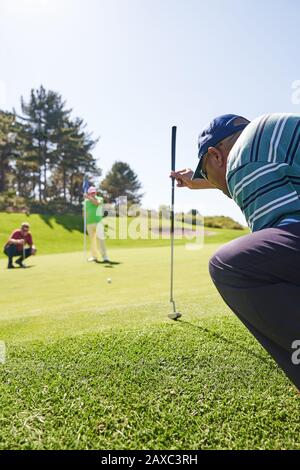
[
  {"x": 84, "y": 228},
  {"x": 85, "y": 187}
]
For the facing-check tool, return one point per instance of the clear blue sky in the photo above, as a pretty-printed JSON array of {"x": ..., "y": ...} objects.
[{"x": 132, "y": 68}]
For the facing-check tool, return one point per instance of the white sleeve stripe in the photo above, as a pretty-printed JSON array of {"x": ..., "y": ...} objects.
[
  {"x": 272, "y": 141},
  {"x": 279, "y": 137},
  {"x": 240, "y": 148},
  {"x": 265, "y": 172},
  {"x": 295, "y": 198},
  {"x": 237, "y": 161},
  {"x": 272, "y": 203},
  {"x": 243, "y": 180},
  {"x": 289, "y": 221}
]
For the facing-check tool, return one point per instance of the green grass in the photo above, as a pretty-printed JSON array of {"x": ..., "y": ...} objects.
[
  {"x": 98, "y": 365},
  {"x": 63, "y": 234}
]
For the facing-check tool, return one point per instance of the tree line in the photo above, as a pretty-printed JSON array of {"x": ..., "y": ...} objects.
[{"x": 46, "y": 153}]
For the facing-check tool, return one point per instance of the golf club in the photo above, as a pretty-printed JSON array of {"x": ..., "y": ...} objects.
[
  {"x": 84, "y": 230},
  {"x": 174, "y": 315},
  {"x": 24, "y": 255}
]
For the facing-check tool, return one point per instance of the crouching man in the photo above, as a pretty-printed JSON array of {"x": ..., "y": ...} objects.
[
  {"x": 257, "y": 164},
  {"x": 19, "y": 244}
]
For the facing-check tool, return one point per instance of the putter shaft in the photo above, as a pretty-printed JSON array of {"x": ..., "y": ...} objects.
[{"x": 172, "y": 215}]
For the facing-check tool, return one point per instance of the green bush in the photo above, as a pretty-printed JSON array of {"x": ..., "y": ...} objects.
[
  {"x": 10, "y": 202},
  {"x": 216, "y": 221},
  {"x": 220, "y": 221},
  {"x": 54, "y": 207}
]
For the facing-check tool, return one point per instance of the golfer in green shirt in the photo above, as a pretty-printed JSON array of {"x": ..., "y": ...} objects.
[{"x": 95, "y": 229}]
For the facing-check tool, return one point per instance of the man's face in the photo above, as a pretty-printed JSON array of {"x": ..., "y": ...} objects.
[{"x": 24, "y": 230}]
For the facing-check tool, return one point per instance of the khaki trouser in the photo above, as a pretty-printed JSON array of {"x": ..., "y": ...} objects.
[{"x": 97, "y": 238}]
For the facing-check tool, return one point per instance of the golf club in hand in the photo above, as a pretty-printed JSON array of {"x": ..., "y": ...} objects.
[{"x": 174, "y": 315}]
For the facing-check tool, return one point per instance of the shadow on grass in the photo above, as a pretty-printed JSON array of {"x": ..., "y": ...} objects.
[
  {"x": 218, "y": 336},
  {"x": 24, "y": 267},
  {"x": 109, "y": 265},
  {"x": 69, "y": 222}
]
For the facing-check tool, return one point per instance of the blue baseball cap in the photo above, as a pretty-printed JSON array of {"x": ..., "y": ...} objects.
[{"x": 216, "y": 131}]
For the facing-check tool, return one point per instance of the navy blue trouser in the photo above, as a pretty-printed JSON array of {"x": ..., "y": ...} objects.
[
  {"x": 258, "y": 276},
  {"x": 11, "y": 251}
]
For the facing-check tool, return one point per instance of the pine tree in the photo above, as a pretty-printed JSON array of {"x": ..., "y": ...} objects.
[
  {"x": 121, "y": 181},
  {"x": 73, "y": 159},
  {"x": 45, "y": 153},
  {"x": 26, "y": 166},
  {"x": 44, "y": 111},
  {"x": 8, "y": 149}
]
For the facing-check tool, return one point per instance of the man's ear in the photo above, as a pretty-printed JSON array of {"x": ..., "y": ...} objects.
[
  {"x": 219, "y": 158},
  {"x": 213, "y": 151}
]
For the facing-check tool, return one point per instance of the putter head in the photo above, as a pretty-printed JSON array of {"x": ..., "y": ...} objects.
[{"x": 174, "y": 316}]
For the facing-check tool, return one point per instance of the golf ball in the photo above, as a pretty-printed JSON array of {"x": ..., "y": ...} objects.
[{"x": 109, "y": 280}]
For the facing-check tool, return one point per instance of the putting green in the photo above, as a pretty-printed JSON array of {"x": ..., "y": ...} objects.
[
  {"x": 63, "y": 233},
  {"x": 62, "y": 294},
  {"x": 93, "y": 365}
]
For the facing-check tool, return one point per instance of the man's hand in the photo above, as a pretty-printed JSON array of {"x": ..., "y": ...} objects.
[
  {"x": 13, "y": 241},
  {"x": 183, "y": 178},
  {"x": 93, "y": 199}
]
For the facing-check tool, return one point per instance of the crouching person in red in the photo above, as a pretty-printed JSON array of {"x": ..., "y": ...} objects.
[{"x": 19, "y": 245}]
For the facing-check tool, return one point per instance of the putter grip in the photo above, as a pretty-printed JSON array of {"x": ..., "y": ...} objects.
[{"x": 174, "y": 131}]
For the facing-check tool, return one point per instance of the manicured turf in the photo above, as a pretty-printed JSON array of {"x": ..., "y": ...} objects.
[
  {"x": 98, "y": 365},
  {"x": 63, "y": 234}
]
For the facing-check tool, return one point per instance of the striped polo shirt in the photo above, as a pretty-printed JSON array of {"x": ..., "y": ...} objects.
[{"x": 263, "y": 171}]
